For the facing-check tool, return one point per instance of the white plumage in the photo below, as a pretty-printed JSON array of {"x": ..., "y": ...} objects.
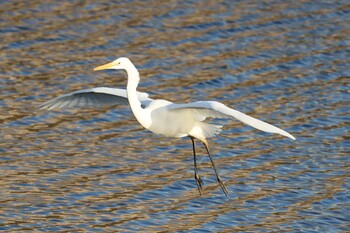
[
  {"x": 161, "y": 116},
  {"x": 93, "y": 97}
]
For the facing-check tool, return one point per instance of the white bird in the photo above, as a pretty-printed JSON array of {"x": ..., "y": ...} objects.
[{"x": 162, "y": 116}]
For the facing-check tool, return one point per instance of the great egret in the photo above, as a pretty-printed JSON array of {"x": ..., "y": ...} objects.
[{"x": 161, "y": 116}]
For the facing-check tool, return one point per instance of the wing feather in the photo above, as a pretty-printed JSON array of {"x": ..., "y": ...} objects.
[
  {"x": 94, "y": 97},
  {"x": 215, "y": 109}
]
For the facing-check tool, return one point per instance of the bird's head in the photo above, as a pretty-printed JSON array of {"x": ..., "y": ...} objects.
[{"x": 121, "y": 63}]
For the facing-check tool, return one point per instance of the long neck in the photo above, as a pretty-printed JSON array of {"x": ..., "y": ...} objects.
[{"x": 133, "y": 81}]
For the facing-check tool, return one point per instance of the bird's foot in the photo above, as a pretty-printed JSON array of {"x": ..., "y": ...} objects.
[
  {"x": 199, "y": 183},
  {"x": 223, "y": 187}
]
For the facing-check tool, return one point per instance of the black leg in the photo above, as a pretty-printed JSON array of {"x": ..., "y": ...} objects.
[
  {"x": 223, "y": 187},
  {"x": 196, "y": 176}
]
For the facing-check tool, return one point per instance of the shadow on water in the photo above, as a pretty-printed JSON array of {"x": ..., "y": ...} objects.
[{"x": 98, "y": 170}]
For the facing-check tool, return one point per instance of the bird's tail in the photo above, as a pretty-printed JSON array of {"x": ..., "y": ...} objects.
[{"x": 203, "y": 130}]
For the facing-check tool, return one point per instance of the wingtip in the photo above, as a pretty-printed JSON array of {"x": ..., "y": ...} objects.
[
  {"x": 289, "y": 135},
  {"x": 45, "y": 106},
  {"x": 41, "y": 107}
]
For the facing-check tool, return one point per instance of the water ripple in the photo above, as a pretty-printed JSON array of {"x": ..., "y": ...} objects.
[{"x": 98, "y": 170}]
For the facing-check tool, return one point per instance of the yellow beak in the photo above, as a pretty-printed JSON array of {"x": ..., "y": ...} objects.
[{"x": 106, "y": 66}]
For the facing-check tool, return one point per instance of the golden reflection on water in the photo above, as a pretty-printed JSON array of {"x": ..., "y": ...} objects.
[{"x": 98, "y": 167}]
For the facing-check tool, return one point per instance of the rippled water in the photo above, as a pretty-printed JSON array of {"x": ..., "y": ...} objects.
[{"x": 97, "y": 170}]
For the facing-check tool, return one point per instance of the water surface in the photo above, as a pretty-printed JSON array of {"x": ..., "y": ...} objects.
[{"x": 97, "y": 170}]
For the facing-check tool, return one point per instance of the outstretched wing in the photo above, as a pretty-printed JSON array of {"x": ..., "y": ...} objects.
[
  {"x": 215, "y": 109},
  {"x": 93, "y": 97}
]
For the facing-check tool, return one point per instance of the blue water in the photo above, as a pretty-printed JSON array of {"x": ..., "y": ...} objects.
[{"x": 97, "y": 170}]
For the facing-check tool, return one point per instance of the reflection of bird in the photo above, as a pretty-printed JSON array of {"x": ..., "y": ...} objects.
[{"x": 161, "y": 116}]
